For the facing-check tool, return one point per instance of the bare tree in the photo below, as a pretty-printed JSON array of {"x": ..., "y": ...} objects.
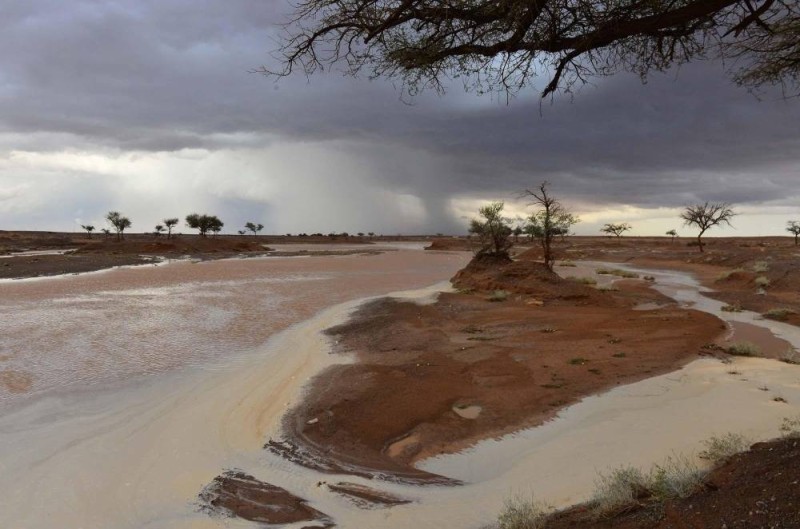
[
  {"x": 549, "y": 221},
  {"x": 505, "y": 44},
  {"x": 793, "y": 227},
  {"x": 170, "y": 224},
  {"x": 706, "y": 216},
  {"x": 88, "y": 228},
  {"x": 492, "y": 229},
  {"x": 616, "y": 229},
  {"x": 118, "y": 222}
]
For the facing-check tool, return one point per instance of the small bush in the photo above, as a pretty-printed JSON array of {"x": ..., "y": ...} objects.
[
  {"x": 720, "y": 449},
  {"x": 735, "y": 307},
  {"x": 779, "y": 314},
  {"x": 760, "y": 267},
  {"x": 790, "y": 356},
  {"x": 727, "y": 274},
  {"x": 617, "y": 272},
  {"x": 619, "y": 491},
  {"x": 762, "y": 281},
  {"x": 498, "y": 295},
  {"x": 743, "y": 349},
  {"x": 578, "y": 361},
  {"x": 677, "y": 477},
  {"x": 584, "y": 280},
  {"x": 523, "y": 513},
  {"x": 790, "y": 427}
]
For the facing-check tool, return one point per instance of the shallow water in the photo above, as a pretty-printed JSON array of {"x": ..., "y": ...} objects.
[{"x": 103, "y": 452}]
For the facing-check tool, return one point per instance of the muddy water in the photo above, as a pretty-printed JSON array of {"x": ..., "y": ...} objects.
[
  {"x": 146, "y": 382},
  {"x": 135, "y": 455}
]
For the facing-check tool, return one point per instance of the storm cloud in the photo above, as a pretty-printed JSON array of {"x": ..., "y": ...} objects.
[{"x": 150, "y": 107}]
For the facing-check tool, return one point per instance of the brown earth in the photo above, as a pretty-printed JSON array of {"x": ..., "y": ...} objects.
[
  {"x": 433, "y": 379},
  {"x": 759, "y": 488}
]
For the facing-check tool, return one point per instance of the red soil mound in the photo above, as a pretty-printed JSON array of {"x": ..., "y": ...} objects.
[
  {"x": 181, "y": 246},
  {"x": 450, "y": 243}
]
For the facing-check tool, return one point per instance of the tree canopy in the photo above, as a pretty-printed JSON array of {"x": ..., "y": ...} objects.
[
  {"x": 204, "y": 223},
  {"x": 492, "y": 229},
  {"x": 507, "y": 44}
]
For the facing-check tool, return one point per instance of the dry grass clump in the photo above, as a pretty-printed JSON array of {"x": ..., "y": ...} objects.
[
  {"x": 584, "y": 280},
  {"x": 728, "y": 273},
  {"x": 790, "y": 427},
  {"x": 790, "y": 356},
  {"x": 720, "y": 449},
  {"x": 743, "y": 349},
  {"x": 760, "y": 267},
  {"x": 523, "y": 513},
  {"x": 676, "y": 477},
  {"x": 762, "y": 281},
  {"x": 619, "y": 491},
  {"x": 607, "y": 288},
  {"x": 567, "y": 263},
  {"x": 498, "y": 295},
  {"x": 779, "y": 314},
  {"x": 617, "y": 272},
  {"x": 735, "y": 307}
]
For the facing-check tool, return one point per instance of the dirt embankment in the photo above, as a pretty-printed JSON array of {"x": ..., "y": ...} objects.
[
  {"x": 756, "y": 489},
  {"x": 432, "y": 379}
]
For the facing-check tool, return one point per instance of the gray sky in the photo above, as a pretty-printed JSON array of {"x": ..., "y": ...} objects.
[{"x": 147, "y": 107}]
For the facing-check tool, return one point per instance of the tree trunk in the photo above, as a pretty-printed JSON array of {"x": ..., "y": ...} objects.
[{"x": 700, "y": 242}]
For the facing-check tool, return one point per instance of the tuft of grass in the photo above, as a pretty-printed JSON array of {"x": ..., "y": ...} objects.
[
  {"x": 728, "y": 273},
  {"x": 762, "y": 281},
  {"x": 790, "y": 427},
  {"x": 743, "y": 349},
  {"x": 569, "y": 264},
  {"x": 583, "y": 280},
  {"x": 498, "y": 295},
  {"x": 548, "y": 330},
  {"x": 720, "y": 449},
  {"x": 619, "y": 491},
  {"x": 523, "y": 513},
  {"x": 676, "y": 477},
  {"x": 617, "y": 272},
  {"x": 607, "y": 288},
  {"x": 790, "y": 356},
  {"x": 735, "y": 307},
  {"x": 619, "y": 355},
  {"x": 779, "y": 314},
  {"x": 760, "y": 267},
  {"x": 577, "y": 361}
]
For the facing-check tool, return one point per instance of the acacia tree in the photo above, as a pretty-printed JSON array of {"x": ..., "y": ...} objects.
[
  {"x": 170, "y": 224},
  {"x": 118, "y": 222},
  {"x": 549, "y": 221},
  {"x": 159, "y": 229},
  {"x": 255, "y": 228},
  {"x": 493, "y": 230},
  {"x": 793, "y": 227},
  {"x": 616, "y": 229},
  {"x": 505, "y": 44},
  {"x": 88, "y": 228},
  {"x": 706, "y": 216},
  {"x": 672, "y": 233},
  {"x": 204, "y": 223}
]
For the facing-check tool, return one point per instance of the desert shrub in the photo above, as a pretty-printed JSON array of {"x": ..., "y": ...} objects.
[
  {"x": 790, "y": 356},
  {"x": 607, "y": 288},
  {"x": 584, "y": 280},
  {"x": 498, "y": 295},
  {"x": 676, "y": 477},
  {"x": 523, "y": 513},
  {"x": 720, "y": 449},
  {"x": 735, "y": 307},
  {"x": 618, "y": 491},
  {"x": 728, "y": 273},
  {"x": 778, "y": 314},
  {"x": 762, "y": 281},
  {"x": 743, "y": 349},
  {"x": 617, "y": 272},
  {"x": 790, "y": 427},
  {"x": 760, "y": 267}
]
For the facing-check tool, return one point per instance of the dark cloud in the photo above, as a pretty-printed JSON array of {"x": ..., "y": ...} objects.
[{"x": 171, "y": 75}]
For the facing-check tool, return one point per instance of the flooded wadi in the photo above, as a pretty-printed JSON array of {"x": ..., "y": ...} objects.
[{"x": 135, "y": 388}]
